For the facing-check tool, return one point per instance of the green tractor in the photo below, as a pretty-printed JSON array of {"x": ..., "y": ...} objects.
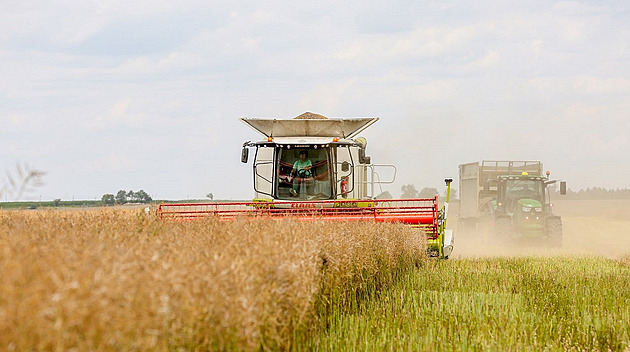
[{"x": 509, "y": 200}]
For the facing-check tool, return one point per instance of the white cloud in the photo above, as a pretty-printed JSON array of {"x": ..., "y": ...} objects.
[
  {"x": 154, "y": 65},
  {"x": 330, "y": 96},
  {"x": 537, "y": 46},
  {"x": 608, "y": 144},
  {"x": 417, "y": 44},
  {"x": 596, "y": 86},
  {"x": 489, "y": 59},
  {"x": 112, "y": 163},
  {"x": 105, "y": 80},
  {"x": 583, "y": 86}
]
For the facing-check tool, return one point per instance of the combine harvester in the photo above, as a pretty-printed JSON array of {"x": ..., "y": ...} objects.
[{"x": 314, "y": 169}]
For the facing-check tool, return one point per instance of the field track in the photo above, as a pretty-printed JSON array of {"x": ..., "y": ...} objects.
[
  {"x": 493, "y": 304},
  {"x": 500, "y": 298},
  {"x": 591, "y": 228}
]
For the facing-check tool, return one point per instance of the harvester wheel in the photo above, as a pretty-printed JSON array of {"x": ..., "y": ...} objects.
[{"x": 554, "y": 232}]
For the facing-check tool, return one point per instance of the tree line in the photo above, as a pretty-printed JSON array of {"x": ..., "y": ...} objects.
[
  {"x": 124, "y": 197},
  {"x": 410, "y": 191},
  {"x": 593, "y": 193}
]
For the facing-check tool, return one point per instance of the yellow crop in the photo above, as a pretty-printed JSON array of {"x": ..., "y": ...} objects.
[{"x": 123, "y": 280}]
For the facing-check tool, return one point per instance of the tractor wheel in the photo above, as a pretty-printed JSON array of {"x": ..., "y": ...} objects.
[
  {"x": 554, "y": 232},
  {"x": 502, "y": 230}
]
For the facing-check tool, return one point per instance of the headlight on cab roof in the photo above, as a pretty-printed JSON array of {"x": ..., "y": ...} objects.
[
  {"x": 538, "y": 209},
  {"x": 527, "y": 209}
]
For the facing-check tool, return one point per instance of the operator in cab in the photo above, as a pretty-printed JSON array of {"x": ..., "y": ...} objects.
[{"x": 303, "y": 173}]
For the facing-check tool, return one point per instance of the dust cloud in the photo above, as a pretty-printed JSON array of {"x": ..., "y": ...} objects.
[{"x": 590, "y": 227}]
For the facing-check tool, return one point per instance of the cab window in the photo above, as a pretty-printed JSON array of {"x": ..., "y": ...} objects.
[{"x": 315, "y": 184}]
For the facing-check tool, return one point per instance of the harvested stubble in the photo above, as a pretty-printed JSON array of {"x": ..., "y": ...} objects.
[{"x": 123, "y": 280}]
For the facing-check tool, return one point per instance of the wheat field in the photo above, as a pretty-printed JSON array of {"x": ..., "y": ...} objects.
[
  {"x": 121, "y": 280},
  {"x": 98, "y": 280}
]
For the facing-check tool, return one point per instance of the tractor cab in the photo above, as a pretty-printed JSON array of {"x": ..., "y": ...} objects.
[
  {"x": 312, "y": 157},
  {"x": 524, "y": 193},
  {"x": 521, "y": 190}
]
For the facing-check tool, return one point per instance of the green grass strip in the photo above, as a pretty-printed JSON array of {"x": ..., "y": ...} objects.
[{"x": 568, "y": 303}]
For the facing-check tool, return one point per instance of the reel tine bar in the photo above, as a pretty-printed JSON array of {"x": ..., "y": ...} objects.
[{"x": 420, "y": 212}]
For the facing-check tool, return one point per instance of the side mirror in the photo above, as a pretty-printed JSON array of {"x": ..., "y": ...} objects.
[
  {"x": 362, "y": 158},
  {"x": 345, "y": 166},
  {"x": 244, "y": 155},
  {"x": 563, "y": 188}
]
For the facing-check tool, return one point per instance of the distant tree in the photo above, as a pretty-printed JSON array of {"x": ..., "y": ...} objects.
[
  {"x": 210, "y": 195},
  {"x": 57, "y": 201},
  {"x": 593, "y": 193},
  {"x": 385, "y": 195},
  {"x": 108, "y": 199},
  {"x": 409, "y": 191},
  {"x": 121, "y": 197},
  {"x": 141, "y": 197},
  {"x": 428, "y": 192}
]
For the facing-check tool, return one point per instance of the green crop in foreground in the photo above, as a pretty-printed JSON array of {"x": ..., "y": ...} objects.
[{"x": 490, "y": 304}]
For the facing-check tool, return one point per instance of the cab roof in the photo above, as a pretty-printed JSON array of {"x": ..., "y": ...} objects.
[{"x": 310, "y": 125}]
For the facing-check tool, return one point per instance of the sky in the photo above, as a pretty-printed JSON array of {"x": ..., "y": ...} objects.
[{"x": 110, "y": 95}]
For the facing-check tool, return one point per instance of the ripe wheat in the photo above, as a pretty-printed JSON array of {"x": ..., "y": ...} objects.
[{"x": 123, "y": 280}]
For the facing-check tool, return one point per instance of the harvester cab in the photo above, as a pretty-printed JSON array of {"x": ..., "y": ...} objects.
[
  {"x": 313, "y": 168},
  {"x": 313, "y": 159}
]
